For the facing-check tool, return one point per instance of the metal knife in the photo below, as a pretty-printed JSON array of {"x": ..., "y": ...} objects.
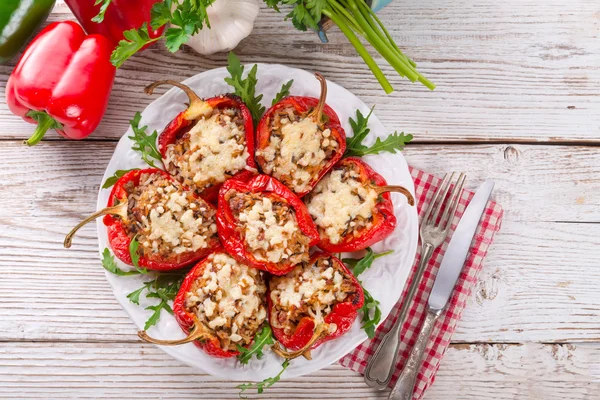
[{"x": 448, "y": 273}]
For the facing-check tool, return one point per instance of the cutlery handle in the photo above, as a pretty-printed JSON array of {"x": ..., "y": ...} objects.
[
  {"x": 380, "y": 367},
  {"x": 403, "y": 390}
]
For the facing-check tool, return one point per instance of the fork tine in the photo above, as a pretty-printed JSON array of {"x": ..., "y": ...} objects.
[
  {"x": 440, "y": 195},
  {"x": 446, "y": 220},
  {"x": 444, "y": 184}
]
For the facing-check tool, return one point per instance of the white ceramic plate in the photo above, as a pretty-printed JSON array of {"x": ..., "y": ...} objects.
[{"x": 384, "y": 280}]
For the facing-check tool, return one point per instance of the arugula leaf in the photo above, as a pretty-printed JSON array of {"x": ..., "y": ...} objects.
[
  {"x": 263, "y": 338},
  {"x": 100, "y": 17},
  {"x": 111, "y": 180},
  {"x": 134, "y": 296},
  {"x": 354, "y": 147},
  {"x": 267, "y": 383},
  {"x": 109, "y": 264},
  {"x": 164, "y": 287},
  {"x": 245, "y": 87},
  {"x": 144, "y": 143},
  {"x": 135, "y": 256},
  {"x": 359, "y": 265},
  {"x": 134, "y": 40},
  {"x": 369, "y": 323},
  {"x": 156, "y": 314},
  {"x": 283, "y": 92}
]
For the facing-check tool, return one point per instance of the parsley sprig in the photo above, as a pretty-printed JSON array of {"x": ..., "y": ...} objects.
[
  {"x": 185, "y": 18},
  {"x": 354, "y": 147},
  {"x": 103, "y": 6},
  {"x": 264, "y": 337},
  {"x": 267, "y": 383},
  {"x": 245, "y": 87},
  {"x": 370, "y": 311},
  {"x": 144, "y": 143}
]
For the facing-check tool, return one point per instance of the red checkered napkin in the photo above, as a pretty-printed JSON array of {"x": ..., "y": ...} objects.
[{"x": 425, "y": 187}]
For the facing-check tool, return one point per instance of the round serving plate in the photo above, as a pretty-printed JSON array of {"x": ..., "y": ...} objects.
[{"x": 384, "y": 280}]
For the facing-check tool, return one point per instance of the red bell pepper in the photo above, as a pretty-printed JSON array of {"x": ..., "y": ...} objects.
[
  {"x": 305, "y": 107},
  {"x": 309, "y": 334},
  {"x": 383, "y": 219},
  {"x": 116, "y": 220},
  {"x": 185, "y": 121},
  {"x": 231, "y": 234},
  {"x": 120, "y": 16},
  {"x": 62, "y": 81},
  {"x": 196, "y": 330}
]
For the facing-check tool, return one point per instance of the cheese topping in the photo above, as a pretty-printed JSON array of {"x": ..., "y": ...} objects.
[
  {"x": 167, "y": 220},
  {"x": 298, "y": 149},
  {"x": 211, "y": 152},
  {"x": 229, "y": 299},
  {"x": 308, "y": 290},
  {"x": 269, "y": 227},
  {"x": 341, "y": 204}
]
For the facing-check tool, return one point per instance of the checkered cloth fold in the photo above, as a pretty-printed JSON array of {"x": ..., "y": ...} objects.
[{"x": 425, "y": 187}]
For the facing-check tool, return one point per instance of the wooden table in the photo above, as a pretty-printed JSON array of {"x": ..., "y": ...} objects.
[{"x": 518, "y": 101}]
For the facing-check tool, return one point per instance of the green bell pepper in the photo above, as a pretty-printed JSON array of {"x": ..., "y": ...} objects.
[{"x": 19, "y": 19}]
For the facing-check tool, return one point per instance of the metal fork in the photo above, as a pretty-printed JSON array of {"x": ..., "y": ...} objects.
[{"x": 380, "y": 367}]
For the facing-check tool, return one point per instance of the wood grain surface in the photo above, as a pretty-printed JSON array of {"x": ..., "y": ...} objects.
[{"x": 517, "y": 101}]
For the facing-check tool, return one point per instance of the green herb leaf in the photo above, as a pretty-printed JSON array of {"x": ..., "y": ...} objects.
[
  {"x": 267, "y": 383},
  {"x": 360, "y": 265},
  {"x": 144, "y": 143},
  {"x": 134, "y": 296},
  {"x": 283, "y": 92},
  {"x": 155, "y": 315},
  {"x": 100, "y": 17},
  {"x": 164, "y": 287},
  {"x": 134, "y": 40},
  {"x": 161, "y": 14},
  {"x": 135, "y": 256},
  {"x": 109, "y": 264},
  {"x": 369, "y": 322},
  {"x": 263, "y": 338},
  {"x": 110, "y": 181},
  {"x": 359, "y": 127},
  {"x": 245, "y": 87}
]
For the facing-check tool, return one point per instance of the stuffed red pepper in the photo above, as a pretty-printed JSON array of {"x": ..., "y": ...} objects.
[
  {"x": 173, "y": 226},
  {"x": 352, "y": 207},
  {"x": 208, "y": 143},
  {"x": 299, "y": 139},
  {"x": 264, "y": 224},
  {"x": 316, "y": 302},
  {"x": 221, "y": 304}
]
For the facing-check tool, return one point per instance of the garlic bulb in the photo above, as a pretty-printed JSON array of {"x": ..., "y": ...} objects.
[{"x": 230, "y": 22}]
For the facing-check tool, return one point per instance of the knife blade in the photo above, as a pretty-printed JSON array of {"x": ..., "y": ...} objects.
[{"x": 458, "y": 248}]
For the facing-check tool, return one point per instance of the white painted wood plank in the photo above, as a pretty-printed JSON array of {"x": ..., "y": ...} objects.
[
  {"x": 511, "y": 70},
  {"x": 136, "y": 371},
  {"x": 539, "y": 282}
]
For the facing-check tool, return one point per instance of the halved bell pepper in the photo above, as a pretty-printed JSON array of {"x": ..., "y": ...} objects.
[
  {"x": 19, "y": 20},
  {"x": 230, "y": 231},
  {"x": 305, "y": 108},
  {"x": 186, "y": 120},
  {"x": 383, "y": 220},
  {"x": 62, "y": 82},
  {"x": 310, "y": 333},
  {"x": 116, "y": 219},
  {"x": 120, "y": 16}
]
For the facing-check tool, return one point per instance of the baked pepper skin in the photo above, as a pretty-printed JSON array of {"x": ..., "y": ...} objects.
[
  {"x": 384, "y": 220},
  {"x": 180, "y": 125},
  {"x": 120, "y": 16},
  {"x": 19, "y": 19},
  {"x": 186, "y": 320},
  {"x": 62, "y": 81},
  {"x": 119, "y": 240},
  {"x": 303, "y": 105},
  {"x": 342, "y": 315},
  {"x": 230, "y": 235}
]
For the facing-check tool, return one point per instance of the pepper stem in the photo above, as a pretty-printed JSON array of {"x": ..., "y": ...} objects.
[
  {"x": 320, "y": 332},
  {"x": 119, "y": 209},
  {"x": 317, "y": 113},
  {"x": 197, "y": 107},
  {"x": 396, "y": 189},
  {"x": 198, "y": 333},
  {"x": 45, "y": 122}
]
